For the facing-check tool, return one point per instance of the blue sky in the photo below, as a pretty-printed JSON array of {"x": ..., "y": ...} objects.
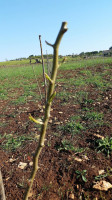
[{"x": 21, "y": 21}]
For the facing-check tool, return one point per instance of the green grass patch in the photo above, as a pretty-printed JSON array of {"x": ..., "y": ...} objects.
[
  {"x": 83, "y": 97},
  {"x": 93, "y": 118},
  {"x": 11, "y": 143},
  {"x": 64, "y": 95},
  {"x": 65, "y": 145},
  {"x": 20, "y": 72},
  {"x": 90, "y": 116},
  {"x": 86, "y": 63},
  {"x": 72, "y": 127},
  {"x": 16, "y": 80}
]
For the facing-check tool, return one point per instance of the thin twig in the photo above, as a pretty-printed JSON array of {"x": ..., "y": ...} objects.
[
  {"x": 45, "y": 84},
  {"x": 37, "y": 82}
]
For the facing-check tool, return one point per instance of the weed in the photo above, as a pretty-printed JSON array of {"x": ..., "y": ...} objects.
[
  {"x": 93, "y": 119},
  {"x": 86, "y": 109},
  {"x": 12, "y": 143},
  {"x": 79, "y": 150},
  {"x": 81, "y": 174},
  {"x": 20, "y": 100},
  {"x": 64, "y": 96},
  {"x": 79, "y": 82},
  {"x": 46, "y": 187},
  {"x": 65, "y": 145},
  {"x": 93, "y": 116},
  {"x": 83, "y": 97},
  {"x": 72, "y": 127},
  {"x": 104, "y": 145},
  {"x": 101, "y": 176},
  {"x": 21, "y": 183},
  {"x": 56, "y": 134},
  {"x": 48, "y": 144},
  {"x": 75, "y": 118},
  {"x": 3, "y": 94}
]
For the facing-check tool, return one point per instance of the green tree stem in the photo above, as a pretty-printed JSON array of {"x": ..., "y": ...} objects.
[{"x": 47, "y": 108}]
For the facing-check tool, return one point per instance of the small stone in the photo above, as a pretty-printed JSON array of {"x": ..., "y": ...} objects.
[
  {"x": 39, "y": 106},
  {"x": 41, "y": 110},
  {"x": 57, "y": 123},
  {"x": 71, "y": 196},
  {"x": 7, "y": 178},
  {"x": 22, "y": 165},
  {"x": 50, "y": 121},
  {"x": 78, "y": 159},
  {"x": 31, "y": 164},
  {"x": 60, "y": 112},
  {"x": 101, "y": 171},
  {"x": 11, "y": 160},
  {"x": 85, "y": 157},
  {"x": 92, "y": 166},
  {"x": 102, "y": 185},
  {"x": 98, "y": 136},
  {"x": 77, "y": 186},
  {"x": 106, "y": 98}
]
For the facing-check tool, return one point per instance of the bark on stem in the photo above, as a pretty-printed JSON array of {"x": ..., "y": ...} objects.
[{"x": 47, "y": 107}]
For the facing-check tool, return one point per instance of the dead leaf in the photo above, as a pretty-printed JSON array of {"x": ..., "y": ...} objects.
[{"x": 102, "y": 185}]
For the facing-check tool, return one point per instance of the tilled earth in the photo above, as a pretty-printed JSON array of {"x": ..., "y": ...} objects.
[{"x": 57, "y": 178}]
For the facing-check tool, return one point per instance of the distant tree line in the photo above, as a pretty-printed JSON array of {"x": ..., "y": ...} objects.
[
  {"x": 95, "y": 53},
  {"x": 37, "y": 58}
]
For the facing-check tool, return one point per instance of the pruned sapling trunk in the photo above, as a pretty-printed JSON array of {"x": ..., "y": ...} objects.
[{"x": 50, "y": 95}]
